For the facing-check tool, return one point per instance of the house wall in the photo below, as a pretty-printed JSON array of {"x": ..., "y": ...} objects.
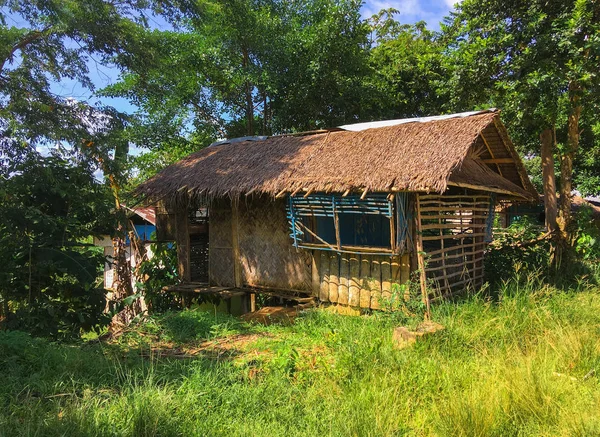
[
  {"x": 364, "y": 281},
  {"x": 454, "y": 235},
  {"x": 266, "y": 255}
]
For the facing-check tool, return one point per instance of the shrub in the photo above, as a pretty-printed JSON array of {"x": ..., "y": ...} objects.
[{"x": 508, "y": 253}]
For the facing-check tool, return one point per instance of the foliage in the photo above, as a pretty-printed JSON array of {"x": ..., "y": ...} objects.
[
  {"x": 406, "y": 301},
  {"x": 406, "y": 71},
  {"x": 49, "y": 280},
  {"x": 525, "y": 365},
  {"x": 511, "y": 252},
  {"x": 538, "y": 62},
  {"x": 587, "y": 236},
  {"x": 159, "y": 271}
]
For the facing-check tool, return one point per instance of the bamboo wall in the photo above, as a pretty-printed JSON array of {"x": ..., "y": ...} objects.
[
  {"x": 453, "y": 232},
  {"x": 251, "y": 240},
  {"x": 357, "y": 280}
]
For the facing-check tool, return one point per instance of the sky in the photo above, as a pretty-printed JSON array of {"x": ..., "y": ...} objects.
[{"x": 411, "y": 11}]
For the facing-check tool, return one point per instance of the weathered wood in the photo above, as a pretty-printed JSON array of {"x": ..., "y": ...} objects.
[
  {"x": 455, "y": 217},
  {"x": 334, "y": 272},
  {"x": 354, "y": 281},
  {"x": 235, "y": 243},
  {"x": 182, "y": 238},
  {"x": 452, "y": 225},
  {"x": 344, "y": 274},
  {"x": 499, "y": 161},
  {"x": 316, "y": 276},
  {"x": 365, "y": 273},
  {"x": 324, "y": 271},
  {"x": 482, "y": 187},
  {"x": 454, "y": 236},
  {"x": 453, "y": 248}
]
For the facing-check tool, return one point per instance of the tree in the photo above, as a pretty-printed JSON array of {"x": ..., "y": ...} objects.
[
  {"x": 49, "y": 42},
  {"x": 406, "y": 69},
  {"x": 249, "y": 67},
  {"x": 538, "y": 60}
]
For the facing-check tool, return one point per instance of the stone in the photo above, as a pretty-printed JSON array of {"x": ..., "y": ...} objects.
[{"x": 404, "y": 337}]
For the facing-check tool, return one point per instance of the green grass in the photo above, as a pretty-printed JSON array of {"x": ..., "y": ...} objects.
[{"x": 521, "y": 366}]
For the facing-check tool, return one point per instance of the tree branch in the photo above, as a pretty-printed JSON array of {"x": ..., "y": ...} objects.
[{"x": 30, "y": 37}]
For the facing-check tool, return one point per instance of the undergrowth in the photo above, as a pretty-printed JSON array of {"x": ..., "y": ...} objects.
[{"x": 524, "y": 363}]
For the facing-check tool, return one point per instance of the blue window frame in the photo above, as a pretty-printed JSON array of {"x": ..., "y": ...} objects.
[{"x": 378, "y": 223}]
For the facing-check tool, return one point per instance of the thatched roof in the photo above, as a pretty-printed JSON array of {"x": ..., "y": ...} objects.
[{"x": 469, "y": 150}]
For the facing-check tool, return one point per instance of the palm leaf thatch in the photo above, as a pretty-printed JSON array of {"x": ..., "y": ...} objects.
[{"x": 471, "y": 151}]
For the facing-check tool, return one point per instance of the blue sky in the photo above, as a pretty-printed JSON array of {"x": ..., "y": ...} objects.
[{"x": 411, "y": 11}]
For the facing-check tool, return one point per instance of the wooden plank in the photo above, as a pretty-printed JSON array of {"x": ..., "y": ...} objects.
[
  {"x": 324, "y": 276},
  {"x": 457, "y": 255},
  {"x": 499, "y": 161},
  {"x": 375, "y": 282},
  {"x": 334, "y": 271},
  {"x": 452, "y": 248},
  {"x": 343, "y": 278},
  {"x": 454, "y": 236},
  {"x": 486, "y": 188},
  {"x": 235, "y": 243},
  {"x": 182, "y": 238},
  {"x": 354, "y": 281},
  {"x": 434, "y": 209},
  {"x": 452, "y": 226},
  {"x": 455, "y": 217},
  {"x": 365, "y": 286},
  {"x": 316, "y": 276}
]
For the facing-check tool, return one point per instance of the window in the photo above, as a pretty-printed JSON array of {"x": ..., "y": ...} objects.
[{"x": 376, "y": 224}]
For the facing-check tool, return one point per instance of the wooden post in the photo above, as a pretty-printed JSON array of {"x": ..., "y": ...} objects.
[
  {"x": 235, "y": 243},
  {"x": 421, "y": 259},
  {"x": 182, "y": 238}
]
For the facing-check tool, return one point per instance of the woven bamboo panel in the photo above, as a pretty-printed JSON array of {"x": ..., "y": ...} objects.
[
  {"x": 268, "y": 258},
  {"x": 220, "y": 251}
]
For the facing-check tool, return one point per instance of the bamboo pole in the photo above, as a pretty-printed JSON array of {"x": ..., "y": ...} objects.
[{"x": 421, "y": 260}]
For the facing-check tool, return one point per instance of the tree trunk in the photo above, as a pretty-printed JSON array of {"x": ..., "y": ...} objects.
[
  {"x": 248, "y": 93},
  {"x": 550, "y": 202},
  {"x": 566, "y": 162}
]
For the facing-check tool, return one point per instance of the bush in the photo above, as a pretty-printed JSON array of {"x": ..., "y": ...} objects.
[
  {"x": 159, "y": 271},
  {"x": 507, "y": 253}
]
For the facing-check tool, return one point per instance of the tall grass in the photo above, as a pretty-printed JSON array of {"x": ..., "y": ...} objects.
[{"x": 521, "y": 364}]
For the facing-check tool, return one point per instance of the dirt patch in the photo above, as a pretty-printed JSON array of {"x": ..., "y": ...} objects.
[
  {"x": 271, "y": 315},
  {"x": 220, "y": 348}
]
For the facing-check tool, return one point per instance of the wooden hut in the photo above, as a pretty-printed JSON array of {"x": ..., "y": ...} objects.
[{"x": 345, "y": 213}]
